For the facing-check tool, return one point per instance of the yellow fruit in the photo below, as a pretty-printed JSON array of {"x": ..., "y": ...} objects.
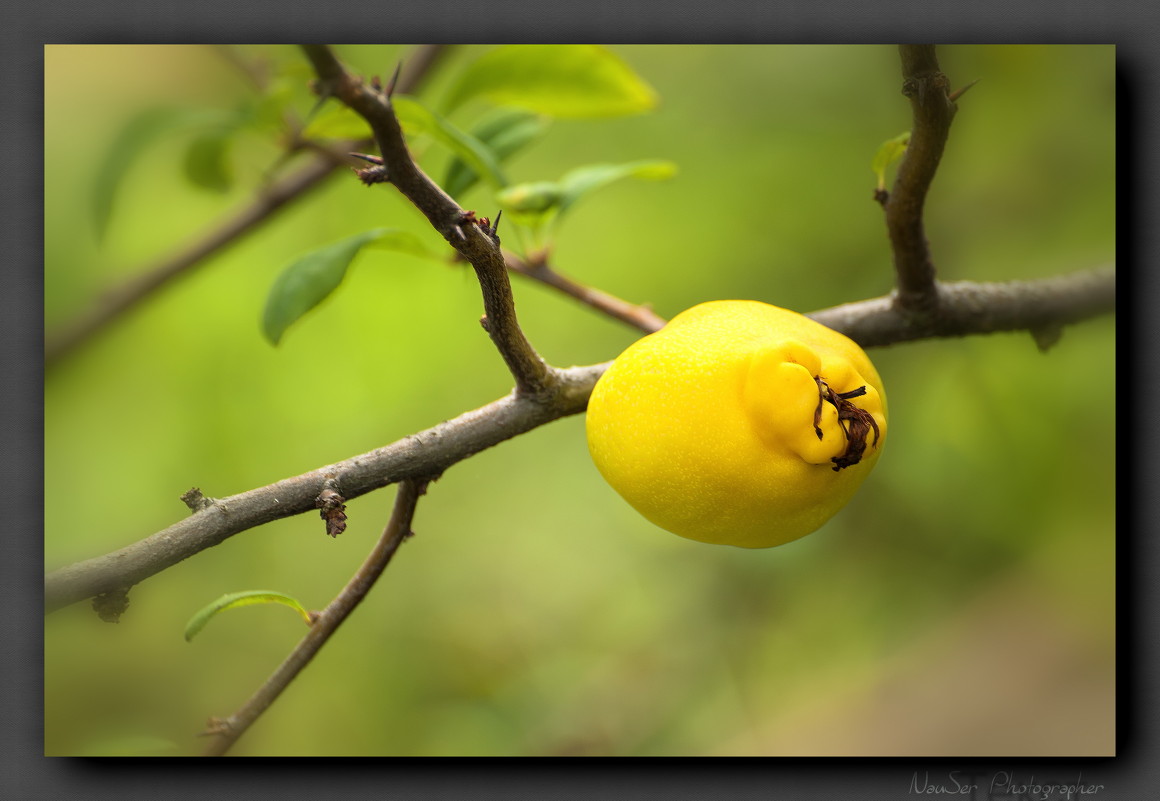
[{"x": 729, "y": 424}]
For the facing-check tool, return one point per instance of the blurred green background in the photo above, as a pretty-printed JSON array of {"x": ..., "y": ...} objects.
[{"x": 962, "y": 604}]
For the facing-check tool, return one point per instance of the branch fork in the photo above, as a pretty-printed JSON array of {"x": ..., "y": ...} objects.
[
  {"x": 926, "y": 87},
  {"x": 533, "y": 377}
]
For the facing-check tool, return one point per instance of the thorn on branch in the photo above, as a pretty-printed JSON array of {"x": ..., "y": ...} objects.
[
  {"x": 955, "y": 95},
  {"x": 394, "y": 80},
  {"x": 369, "y": 157},
  {"x": 483, "y": 223},
  {"x": 376, "y": 174}
]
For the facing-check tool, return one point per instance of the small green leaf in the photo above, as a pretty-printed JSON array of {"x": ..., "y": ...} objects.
[
  {"x": 505, "y": 131},
  {"x": 234, "y": 600},
  {"x": 582, "y": 180},
  {"x": 308, "y": 281},
  {"x": 337, "y": 121},
  {"x": 558, "y": 80},
  {"x": 418, "y": 119},
  {"x": 138, "y": 133},
  {"x": 890, "y": 151},
  {"x": 207, "y": 160}
]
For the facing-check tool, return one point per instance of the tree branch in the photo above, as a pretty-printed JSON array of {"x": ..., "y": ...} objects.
[
  {"x": 423, "y": 455},
  {"x": 640, "y": 317},
  {"x": 122, "y": 298},
  {"x": 226, "y": 732},
  {"x": 481, "y": 249},
  {"x": 964, "y": 308},
  {"x": 926, "y": 87}
]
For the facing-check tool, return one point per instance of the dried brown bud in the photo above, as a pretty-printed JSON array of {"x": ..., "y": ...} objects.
[
  {"x": 333, "y": 511},
  {"x": 858, "y": 423}
]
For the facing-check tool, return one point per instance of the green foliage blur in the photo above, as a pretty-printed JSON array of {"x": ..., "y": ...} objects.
[{"x": 961, "y": 605}]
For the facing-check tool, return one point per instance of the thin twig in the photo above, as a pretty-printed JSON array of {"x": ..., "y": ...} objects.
[
  {"x": 458, "y": 227},
  {"x": 640, "y": 317},
  {"x": 926, "y": 87},
  {"x": 118, "y": 300},
  {"x": 965, "y": 308},
  {"x": 225, "y": 732}
]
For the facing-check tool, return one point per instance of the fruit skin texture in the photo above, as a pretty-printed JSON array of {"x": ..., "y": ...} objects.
[{"x": 706, "y": 427}]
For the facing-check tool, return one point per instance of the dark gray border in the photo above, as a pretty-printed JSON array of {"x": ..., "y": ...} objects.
[{"x": 25, "y": 773}]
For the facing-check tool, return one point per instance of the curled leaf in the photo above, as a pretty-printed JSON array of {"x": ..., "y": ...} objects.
[
  {"x": 236, "y": 599},
  {"x": 530, "y": 198},
  {"x": 535, "y": 203},
  {"x": 890, "y": 151},
  {"x": 582, "y": 180}
]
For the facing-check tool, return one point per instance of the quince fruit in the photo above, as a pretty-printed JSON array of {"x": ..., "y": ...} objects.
[{"x": 738, "y": 423}]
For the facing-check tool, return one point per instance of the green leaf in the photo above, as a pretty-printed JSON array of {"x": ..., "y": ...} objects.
[
  {"x": 531, "y": 203},
  {"x": 138, "y": 133},
  {"x": 505, "y": 131},
  {"x": 418, "y": 119},
  {"x": 890, "y": 151},
  {"x": 308, "y": 281},
  {"x": 582, "y": 180},
  {"x": 234, "y": 600},
  {"x": 574, "y": 81},
  {"x": 207, "y": 160},
  {"x": 535, "y": 203},
  {"x": 337, "y": 121},
  {"x": 530, "y": 198}
]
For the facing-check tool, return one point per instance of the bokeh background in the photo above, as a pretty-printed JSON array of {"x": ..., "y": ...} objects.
[{"x": 963, "y": 604}]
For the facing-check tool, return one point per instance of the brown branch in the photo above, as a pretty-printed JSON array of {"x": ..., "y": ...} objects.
[
  {"x": 1041, "y": 306},
  {"x": 225, "y": 732},
  {"x": 965, "y": 308},
  {"x": 640, "y": 317},
  {"x": 926, "y": 87},
  {"x": 458, "y": 227},
  {"x": 422, "y": 455},
  {"x": 120, "y": 299}
]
